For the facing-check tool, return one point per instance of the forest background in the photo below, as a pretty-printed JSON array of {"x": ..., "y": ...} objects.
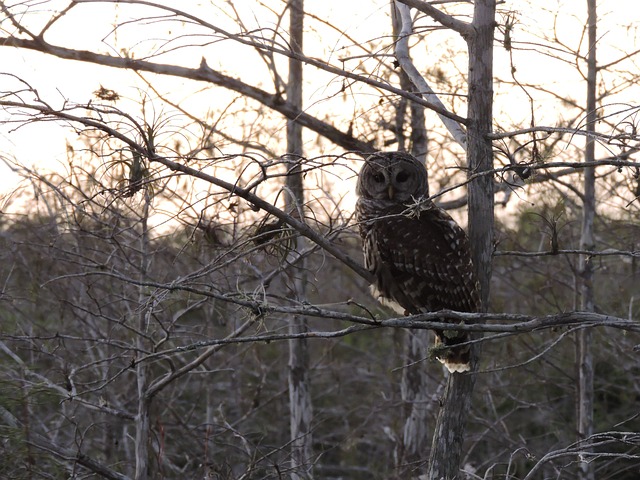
[{"x": 182, "y": 290}]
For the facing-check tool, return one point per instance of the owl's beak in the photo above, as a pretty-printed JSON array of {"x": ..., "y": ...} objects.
[{"x": 391, "y": 192}]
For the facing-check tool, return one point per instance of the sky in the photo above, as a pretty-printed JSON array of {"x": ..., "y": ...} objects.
[{"x": 59, "y": 81}]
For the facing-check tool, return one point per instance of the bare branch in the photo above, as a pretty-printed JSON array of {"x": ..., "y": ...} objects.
[
  {"x": 243, "y": 193},
  {"x": 463, "y": 28},
  {"x": 159, "y": 384},
  {"x": 587, "y": 448},
  {"x": 290, "y": 53},
  {"x": 404, "y": 59},
  {"x": 65, "y": 454},
  {"x": 590, "y": 253},
  {"x": 563, "y": 130},
  {"x": 206, "y": 74}
]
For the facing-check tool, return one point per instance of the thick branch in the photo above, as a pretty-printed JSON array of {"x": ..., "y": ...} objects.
[
  {"x": 446, "y": 20},
  {"x": 402, "y": 55},
  {"x": 206, "y": 74},
  {"x": 290, "y": 53},
  {"x": 589, "y": 253},
  {"x": 427, "y": 321}
]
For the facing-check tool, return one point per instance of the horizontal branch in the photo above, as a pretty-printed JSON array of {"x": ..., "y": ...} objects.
[
  {"x": 589, "y": 253},
  {"x": 429, "y": 321},
  {"x": 562, "y": 130},
  {"x": 440, "y": 320},
  {"x": 523, "y": 323},
  {"x": 609, "y": 162},
  {"x": 518, "y": 168},
  {"x": 498, "y": 323}
]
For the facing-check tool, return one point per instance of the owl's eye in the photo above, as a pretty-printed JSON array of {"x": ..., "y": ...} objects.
[
  {"x": 378, "y": 177},
  {"x": 402, "y": 176}
]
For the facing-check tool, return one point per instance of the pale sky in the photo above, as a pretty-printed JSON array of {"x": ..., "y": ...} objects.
[{"x": 57, "y": 80}]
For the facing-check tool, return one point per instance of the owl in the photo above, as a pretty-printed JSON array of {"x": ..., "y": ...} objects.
[{"x": 419, "y": 256}]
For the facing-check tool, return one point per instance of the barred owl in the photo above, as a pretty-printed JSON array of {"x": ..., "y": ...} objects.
[{"x": 419, "y": 255}]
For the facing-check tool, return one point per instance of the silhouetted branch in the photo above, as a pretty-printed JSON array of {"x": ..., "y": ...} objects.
[
  {"x": 564, "y": 130},
  {"x": 463, "y": 28},
  {"x": 234, "y": 189},
  {"x": 587, "y": 449},
  {"x": 530, "y": 324},
  {"x": 205, "y": 74}
]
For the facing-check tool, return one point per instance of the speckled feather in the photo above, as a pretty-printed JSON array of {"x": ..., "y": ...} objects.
[
  {"x": 420, "y": 257},
  {"x": 422, "y": 262}
]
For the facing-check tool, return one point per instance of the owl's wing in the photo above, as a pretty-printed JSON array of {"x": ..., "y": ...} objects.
[{"x": 423, "y": 261}]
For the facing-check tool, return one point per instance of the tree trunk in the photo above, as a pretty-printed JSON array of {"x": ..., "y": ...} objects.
[
  {"x": 479, "y": 149},
  {"x": 143, "y": 429},
  {"x": 414, "y": 386},
  {"x": 299, "y": 391},
  {"x": 448, "y": 436},
  {"x": 415, "y": 397},
  {"x": 584, "y": 358}
]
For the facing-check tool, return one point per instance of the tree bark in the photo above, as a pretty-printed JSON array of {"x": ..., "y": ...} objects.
[
  {"x": 142, "y": 421},
  {"x": 480, "y": 151},
  {"x": 449, "y": 431},
  {"x": 416, "y": 399},
  {"x": 299, "y": 391},
  {"x": 584, "y": 357}
]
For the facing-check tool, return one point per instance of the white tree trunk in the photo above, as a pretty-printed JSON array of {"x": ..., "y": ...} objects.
[
  {"x": 299, "y": 393},
  {"x": 584, "y": 355},
  {"x": 143, "y": 431},
  {"x": 415, "y": 396}
]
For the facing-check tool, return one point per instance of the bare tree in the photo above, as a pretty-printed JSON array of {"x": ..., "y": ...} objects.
[
  {"x": 154, "y": 291},
  {"x": 446, "y": 449},
  {"x": 299, "y": 381},
  {"x": 587, "y": 242}
]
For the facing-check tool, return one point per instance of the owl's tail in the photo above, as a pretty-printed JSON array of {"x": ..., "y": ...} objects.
[{"x": 456, "y": 357}]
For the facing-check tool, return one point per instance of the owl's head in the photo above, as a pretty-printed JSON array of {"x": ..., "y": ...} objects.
[{"x": 392, "y": 176}]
